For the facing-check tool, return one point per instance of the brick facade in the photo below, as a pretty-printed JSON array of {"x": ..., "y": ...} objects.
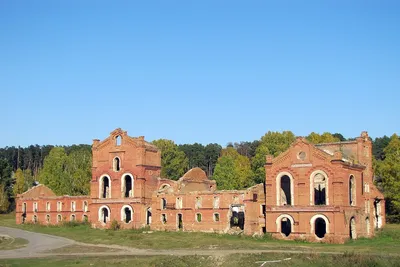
[{"x": 314, "y": 192}]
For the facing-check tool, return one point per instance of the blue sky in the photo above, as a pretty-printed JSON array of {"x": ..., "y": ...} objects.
[{"x": 197, "y": 71}]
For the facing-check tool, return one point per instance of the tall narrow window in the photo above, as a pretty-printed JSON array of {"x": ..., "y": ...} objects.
[
  {"x": 216, "y": 203},
  {"x": 24, "y": 208},
  {"x": 85, "y": 206},
  {"x": 59, "y": 206},
  {"x": 105, "y": 187},
  {"x": 127, "y": 186},
  {"x": 178, "y": 203},
  {"x": 118, "y": 140},
  {"x": 35, "y": 207},
  {"x": 319, "y": 189},
  {"x": 352, "y": 191},
  {"x": 73, "y": 206},
  {"x": 163, "y": 203},
  {"x": 47, "y": 206},
  {"x": 117, "y": 164},
  {"x": 198, "y": 203},
  {"x": 285, "y": 191}
]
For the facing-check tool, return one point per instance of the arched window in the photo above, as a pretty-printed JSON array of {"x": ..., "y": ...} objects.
[
  {"x": 216, "y": 217},
  {"x": 35, "y": 220},
  {"x": 127, "y": 185},
  {"x": 85, "y": 218},
  {"x": 73, "y": 206},
  {"x": 164, "y": 187},
  {"x": 198, "y": 203},
  {"x": 48, "y": 218},
  {"x": 24, "y": 208},
  {"x": 216, "y": 202},
  {"x": 284, "y": 224},
  {"x": 319, "y": 225},
  {"x": 85, "y": 206},
  {"x": 284, "y": 189},
  {"x": 352, "y": 191},
  {"x": 198, "y": 217},
  {"x": 319, "y": 188},
  {"x": 47, "y": 206},
  {"x": 178, "y": 203},
  {"x": 118, "y": 140},
  {"x": 126, "y": 214},
  {"x": 377, "y": 214},
  {"x": 179, "y": 221},
  {"x": 353, "y": 231},
  {"x": 73, "y": 218},
  {"x": 105, "y": 187},
  {"x": 368, "y": 226},
  {"x": 59, "y": 206},
  {"x": 116, "y": 164},
  {"x": 148, "y": 215},
  {"x": 163, "y": 203},
  {"x": 104, "y": 214},
  {"x": 59, "y": 218}
]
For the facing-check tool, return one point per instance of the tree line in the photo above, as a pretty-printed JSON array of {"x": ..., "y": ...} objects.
[{"x": 67, "y": 169}]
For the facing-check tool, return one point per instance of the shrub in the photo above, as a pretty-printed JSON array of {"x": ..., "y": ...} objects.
[{"x": 115, "y": 225}]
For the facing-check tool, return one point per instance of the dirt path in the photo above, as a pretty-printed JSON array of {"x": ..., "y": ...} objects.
[{"x": 43, "y": 245}]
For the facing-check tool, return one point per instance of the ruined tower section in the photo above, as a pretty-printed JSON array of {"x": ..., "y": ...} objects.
[{"x": 124, "y": 175}]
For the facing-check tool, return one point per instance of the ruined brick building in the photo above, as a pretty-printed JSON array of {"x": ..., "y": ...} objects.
[{"x": 313, "y": 192}]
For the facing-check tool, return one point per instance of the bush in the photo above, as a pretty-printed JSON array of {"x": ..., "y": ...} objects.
[{"x": 115, "y": 225}]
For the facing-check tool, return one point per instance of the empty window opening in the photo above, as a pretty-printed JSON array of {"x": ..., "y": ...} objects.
[
  {"x": 35, "y": 220},
  {"x": 198, "y": 203},
  {"x": 180, "y": 221},
  {"x": 59, "y": 206},
  {"x": 35, "y": 207},
  {"x": 163, "y": 203},
  {"x": 24, "y": 208},
  {"x": 47, "y": 218},
  {"x": 320, "y": 227},
  {"x": 352, "y": 191},
  {"x": 264, "y": 230},
  {"x": 117, "y": 164},
  {"x": 237, "y": 218},
  {"x": 59, "y": 218},
  {"x": 216, "y": 202},
  {"x": 353, "y": 231},
  {"x": 148, "y": 214},
  {"x": 377, "y": 214},
  {"x": 198, "y": 217},
  {"x": 104, "y": 215},
  {"x": 73, "y": 217},
  {"x": 178, "y": 203},
  {"x": 127, "y": 215},
  {"x": 105, "y": 188},
  {"x": 164, "y": 218},
  {"x": 73, "y": 206},
  {"x": 85, "y": 218},
  {"x": 216, "y": 217},
  {"x": 128, "y": 186},
  {"x": 255, "y": 197},
  {"x": 319, "y": 189},
  {"x": 368, "y": 226},
  {"x": 23, "y": 217},
  {"x": 286, "y": 198},
  {"x": 47, "y": 206},
  {"x": 118, "y": 140},
  {"x": 85, "y": 206},
  {"x": 164, "y": 187},
  {"x": 263, "y": 210}
]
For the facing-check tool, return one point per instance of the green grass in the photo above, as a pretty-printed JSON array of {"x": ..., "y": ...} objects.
[
  {"x": 12, "y": 243},
  {"x": 237, "y": 260},
  {"x": 386, "y": 241}
]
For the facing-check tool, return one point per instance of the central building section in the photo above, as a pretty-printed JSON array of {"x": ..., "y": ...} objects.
[{"x": 124, "y": 176}]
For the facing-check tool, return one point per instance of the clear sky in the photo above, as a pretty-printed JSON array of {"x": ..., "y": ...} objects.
[{"x": 197, "y": 71}]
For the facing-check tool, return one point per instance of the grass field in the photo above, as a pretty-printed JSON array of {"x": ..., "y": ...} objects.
[
  {"x": 238, "y": 260},
  {"x": 12, "y": 243},
  {"x": 386, "y": 242}
]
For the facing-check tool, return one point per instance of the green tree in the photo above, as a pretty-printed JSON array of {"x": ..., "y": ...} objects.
[
  {"x": 211, "y": 155},
  {"x": 54, "y": 173},
  {"x": 28, "y": 179},
  {"x": 174, "y": 162},
  {"x": 195, "y": 154},
  {"x": 316, "y": 138},
  {"x": 4, "y": 202},
  {"x": 378, "y": 145},
  {"x": 388, "y": 170},
  {"x": 19, "y": 185},
  {"x": 79, "y": 170},
  {"x": 233, "y": 171},
  {"x": 6, "y": 183},
  {"x": 272, "y": 143}
]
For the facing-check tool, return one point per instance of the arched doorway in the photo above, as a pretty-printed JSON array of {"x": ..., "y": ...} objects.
[
  {"x": 286, "y": 226},
  {"x": 320, "y": 227},
  {"x": 105, "y": 186},
  {"x": 148, "y": 216},
  {"x": 104, "y": 214},
  {"x": 127, "y": 185}
]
